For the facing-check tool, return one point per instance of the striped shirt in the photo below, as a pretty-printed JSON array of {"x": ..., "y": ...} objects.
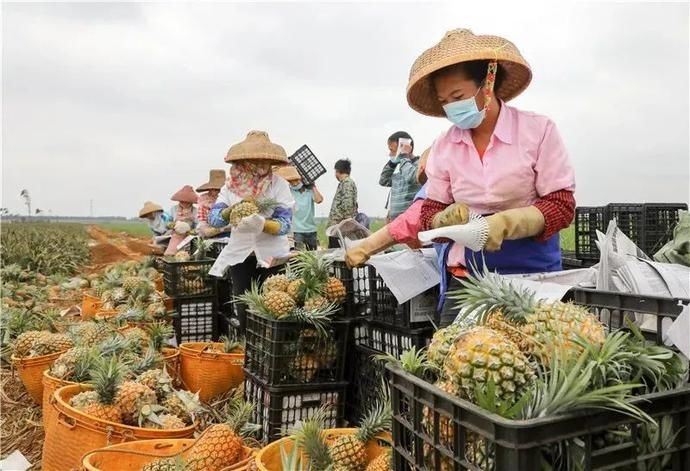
[{"x": 400, "y": 175}]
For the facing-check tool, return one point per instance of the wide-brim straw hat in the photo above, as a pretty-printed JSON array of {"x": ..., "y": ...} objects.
[
  {"x": 185, "y": 194},
  {"x": 216, "y": 180},
  {"x": 461, "y": 45},
  {"x": 149, "y": 207},
  {"x": 257, "y": 146},
  {"x": 288, "y": 172}
]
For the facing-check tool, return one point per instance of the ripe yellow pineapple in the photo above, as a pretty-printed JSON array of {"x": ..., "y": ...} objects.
[
  {"x": 440, "y": 344},
  {"x": 157, "y": 380},
  {"x": 248, "y": 208},
  {"x": 294, "y": 289},
  {"x": 106, "y": 376},
  {"x": 131, "y": 283},
  {"x": 90, "y": 333},
  {"x": 131, "y": 398},
  {"x": 26, "y": 340},
  {"x": 276, "y": 283},
  {"x": 279, "y": 304},
  {"x": 316, "y": 303},
  {"x": 304, "y": 367},
  {"x": 540, "y": 329},
  {"x": 50, "y": 343},
  {"x": 183, "y": 404},
  {"x": 382, "y": 462},
  {"x": 335, "y": 290},
  {"x": 221, "y": 445},
  {"x": 182, "y": 256}
]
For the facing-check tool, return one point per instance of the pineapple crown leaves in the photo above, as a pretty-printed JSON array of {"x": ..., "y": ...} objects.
[
  {"x": 611, "y": 359},
  {"x": 308, "y": 437},
  {"x": 150, "y": 360},
  {"x": 378, "y": 418},
  {"x": 190, "y": 402},
  {"x": 292, "y": 461},
  {"x": 485, "y": 395},
  {"x": 84, "y": 364},
  {"x": 231, "y": 345},
  {"x": 485, "y": 292},
  {"x": 106, "y": 375},
  {"x": 319, "y": 319},
  {"x": 412, "y": 361},
  {"x": 160, "y": 333},
  {"x": 566, "y": 387},
  {"x": 149, "y": 412},
  {"x": 239, "y": 413},
  {"x": 254, "y": 301}
]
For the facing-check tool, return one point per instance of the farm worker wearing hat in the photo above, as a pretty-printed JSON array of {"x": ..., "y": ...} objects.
[
  {"x": 507, "y": 165},
  {"x": 399, "y": 174},
  {"x": 256, "y": 240},
  {"x": 209, "y": 192},
  {"x": 303, "y": 222},
  {"x": 184, "y": 216},
  {"x": 158, "y": 221}
]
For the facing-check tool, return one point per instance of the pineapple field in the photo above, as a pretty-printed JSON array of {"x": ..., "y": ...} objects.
[{"x": 113, "y": 360}]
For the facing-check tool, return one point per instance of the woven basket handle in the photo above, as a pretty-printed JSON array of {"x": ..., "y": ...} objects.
[{"x": 62, "y": 420}]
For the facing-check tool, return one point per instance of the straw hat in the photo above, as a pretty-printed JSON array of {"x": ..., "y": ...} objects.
[
  {"x": 257, "y": 146},
  {"x": 461, "y": 45},
  {"x": 288, "y": 172},
  {"x": 185, "y": 194},
  {"x": 216, "y": 180},
  {"x": 149, "y": 207}
]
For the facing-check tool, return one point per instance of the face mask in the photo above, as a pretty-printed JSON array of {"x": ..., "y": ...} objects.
[
  {"x": 464, "y": 113},
  {"x": 297, "y": 187}
]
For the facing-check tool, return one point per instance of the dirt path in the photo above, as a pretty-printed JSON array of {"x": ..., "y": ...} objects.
[{"x": 109, "y": 247}]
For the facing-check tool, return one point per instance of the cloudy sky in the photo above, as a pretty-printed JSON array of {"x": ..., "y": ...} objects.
[{"x": 122, "y": 103}]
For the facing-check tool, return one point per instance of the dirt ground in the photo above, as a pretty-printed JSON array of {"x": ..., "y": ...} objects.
[{"x": 110, "y": 247}]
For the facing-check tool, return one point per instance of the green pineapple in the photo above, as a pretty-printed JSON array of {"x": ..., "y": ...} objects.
[{"x": 166, "y": 464}]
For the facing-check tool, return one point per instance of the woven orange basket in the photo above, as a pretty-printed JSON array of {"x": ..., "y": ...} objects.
[
  {"x": 31, "y": 373},
  {"x": 90, "y": 306},
  {"x": 268, "y": 458},
  {"x": 210, "y": 373},
  {"x": 133, "y": 456},
  {"x": 172, "y": 361},
  {"x": 50, "y": 385},
  {"x": 70, "y": 434}
]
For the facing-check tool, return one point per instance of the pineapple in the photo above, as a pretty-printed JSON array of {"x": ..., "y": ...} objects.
[
  {"x": 138, "y": 338},
  {"x": 66, "y": 364},
  {"x": 222, "y": 445},
  {"x": 50, "y": 343},
  {"x": 248, "y": 208},
  {"x": 84, "y": 399},
  {"x": 316, "y": 303},
  {"x": 441, "y": 343},
  {"x": 294, "y": 289},
  {"x": 25, "y": 341},
  {"x": 274, "y": 303},
  {"x": 182, "y": 256},
  {"x": 157, "y": 380},
  {"x": 131, "y": 398},
  {"x": 348, "y": 452},
  {"x": 539, "y": 329},
  {"x": 335, "y": 290},
  {"x": 119, "y": 295},
  {"x": 304, "y": 367},
  {"x": 276, "y": 283},
  {"x": 156, "y": 310},
  {"x": 170, "y": 422},
  {"x": 166, "y": 464},
  {"x": 183, "y": 404},
  {"x": 105, "y": 378},
  {"x": 383, "y": 462},
  {"x": 131, "y": 283},
  {"x": 159, "y": 333},
  {"x": 232, "y": 346},
  {"x": 90, "y": 333}
]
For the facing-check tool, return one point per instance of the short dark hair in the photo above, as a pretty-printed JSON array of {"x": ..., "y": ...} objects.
[
  {"x": 475, "y": 71},
  {"x": 400, "y": 135},
  {"x": 343, "y": 166}
]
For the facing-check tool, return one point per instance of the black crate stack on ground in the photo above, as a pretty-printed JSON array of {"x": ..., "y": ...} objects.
[
  {"x": 295, "y": 370},
  {"x": 194, "y": 296},
  {"x": 629, "y": 219},
  {"x": 357, "y": 286},
  {"x": 424, "y": 414},
  {"x": 659, "y": 221},
  {"x": 588, "y": 220}
]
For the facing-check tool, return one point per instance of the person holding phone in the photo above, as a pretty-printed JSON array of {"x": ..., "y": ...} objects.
[{"x": 400, "y": 174}]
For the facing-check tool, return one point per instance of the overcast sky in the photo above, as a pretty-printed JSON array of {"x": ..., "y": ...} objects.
[{"x": 122, "y": 103}]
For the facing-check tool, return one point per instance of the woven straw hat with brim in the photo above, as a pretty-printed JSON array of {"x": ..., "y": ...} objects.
[
  {"x": 149, "y": 207},
  {"x": 185, "y": 194},
  {"x": 461, "y": 45},
  {"x": 288, "y": 172},
  {"x": 257, "y": 146},
  {"x": 216, "y": 180}
]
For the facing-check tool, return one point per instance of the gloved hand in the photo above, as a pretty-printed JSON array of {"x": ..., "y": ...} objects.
[
  {"x": 375, "y": 243},
  {"x": 271, "y": 226},
  {"x": 513, "y": 224},
  {"x": 225, "y": 214},
  {"x": 251, "y": 224},
  {"x": 182, "y": 228},
  {"x": 456, "y": 213}
]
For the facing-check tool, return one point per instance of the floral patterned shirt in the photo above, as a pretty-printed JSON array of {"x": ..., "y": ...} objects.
[{"x": 344, "y": 202}]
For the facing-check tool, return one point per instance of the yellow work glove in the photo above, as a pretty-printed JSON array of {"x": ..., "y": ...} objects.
[
  {"x": 271, "y": 226},
  {"x": 513, "y": 224},
  {"x": 456, "y": 213},
  {"x": 375, "y": 243}
]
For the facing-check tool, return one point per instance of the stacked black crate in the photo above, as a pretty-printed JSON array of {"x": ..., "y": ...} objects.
[
  {"x": 391, "y": 329},
  {"x": 193, "y": 293}
]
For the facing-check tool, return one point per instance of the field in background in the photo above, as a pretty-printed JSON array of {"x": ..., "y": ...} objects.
[{"x": 140, "y": 229}]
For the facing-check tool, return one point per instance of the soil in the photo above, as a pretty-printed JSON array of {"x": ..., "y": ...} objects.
[{"x": 110, "y": 247}]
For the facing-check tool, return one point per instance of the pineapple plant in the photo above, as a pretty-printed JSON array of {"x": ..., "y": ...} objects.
[
  {"x": 69, "y": 365},
  {"x": 137, "y": 337},
  {"x": 159, "y": 333},
  {"x": 222, "y": 445},
  {"x": 348, "y": 452},
  {"x": 183, "y": 404},
  {"x": 106, "y": 377},
  {"x": 250, "y": 207},
  {"x": 157, "y": 380},
  {"x": 131, "y": 398},
  {"x": 278, "y": 282},
  {"x": 540, "y": 329},
  {"x": 308, "y": 438},
  {"x": 274, "y": 304}
]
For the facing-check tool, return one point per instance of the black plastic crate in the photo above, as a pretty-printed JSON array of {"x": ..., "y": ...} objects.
[
  {"x": 356, "y": 281},
  {"x": 284, "y": 352},
  {"x": 629, "y": 220},
  {"x": 307, "y": 165},
  {"x": 419, "y": 311},
  {"x": 433, "y": 431},
  {"x": 187, "y": 279},
  {"x": 396, "y": 340},
  {"x": 614, "y": 308},
  {"x": 366, "y": 377},
  {"x": 280, "y": 408},
  {"x": 195, "y": 320},
  {"x": 588, "y": 220},
  {"x": 659, "y": 221}
]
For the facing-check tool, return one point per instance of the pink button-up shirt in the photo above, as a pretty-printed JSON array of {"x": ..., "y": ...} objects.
[{"x": 525, "y": 160}]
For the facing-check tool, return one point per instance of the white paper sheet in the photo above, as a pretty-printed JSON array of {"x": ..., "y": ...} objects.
[
  {"x": 15, "y": 462},
  {"x": 679, "y": 332},
  {"x": 407, "y": 273}
]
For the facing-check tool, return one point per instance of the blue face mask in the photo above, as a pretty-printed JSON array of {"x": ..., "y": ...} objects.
[
  {"x": 297, "y": 187},
  {"x": 464, "y": 113}
]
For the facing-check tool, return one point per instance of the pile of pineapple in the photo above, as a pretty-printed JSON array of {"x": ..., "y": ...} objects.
[{"x": 522, "y": 358}]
